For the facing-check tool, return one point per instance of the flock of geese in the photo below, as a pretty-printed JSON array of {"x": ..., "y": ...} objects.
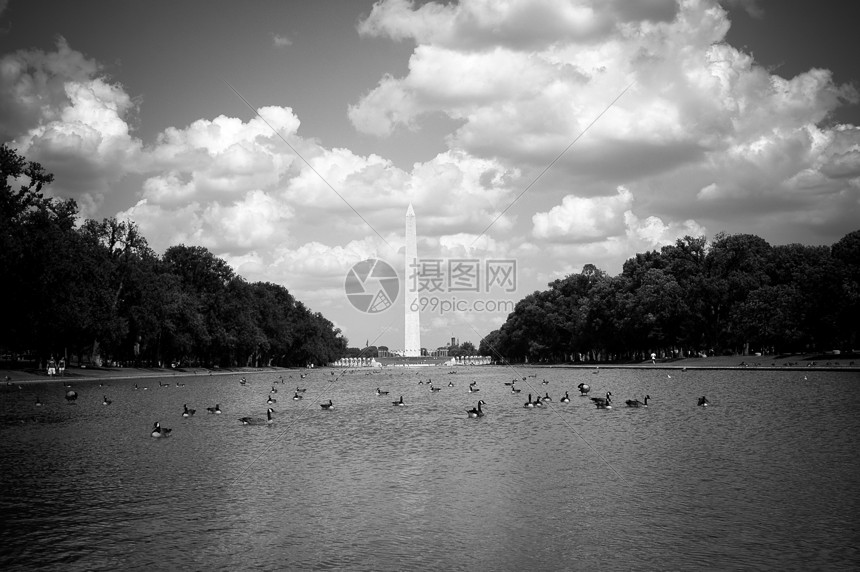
[{"x": 604, "y": 402}]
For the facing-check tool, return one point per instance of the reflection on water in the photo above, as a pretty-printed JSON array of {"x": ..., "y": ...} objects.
[{"x": 767, "y": 477}]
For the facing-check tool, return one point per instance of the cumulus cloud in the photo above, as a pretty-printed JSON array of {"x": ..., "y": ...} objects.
[
  {"x": 58, "y": 110},
  {"x": 703, "y": 125},
  {"x": 581, "y": 219},
  {"x": 281, "y": 41}
]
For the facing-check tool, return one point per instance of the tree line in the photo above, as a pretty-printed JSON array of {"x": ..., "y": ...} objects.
[
  {"x": 97, "y": 291},
  {"x": 734, "y": 295}
]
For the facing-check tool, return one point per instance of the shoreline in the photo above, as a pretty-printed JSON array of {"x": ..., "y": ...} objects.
[
  {"x": 79, "y": 375},
  {"x": 811, "y": 362}
]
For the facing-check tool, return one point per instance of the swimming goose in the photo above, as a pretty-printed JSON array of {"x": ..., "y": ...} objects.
[
  {"x": 473, "y": 389},
  {"x": 565, "y": 399},
  {"x": 515, "y": 390},
  {"x": 271, "y": 400},
  {"x": 703, "y": 401},
  {"x": 603, "y": 402},
  {"x": 450, "y": 384},
  {"x": 546, "y": 397},
  {"x": 296, "y": 397},
  {"x": 159, "y": 431},
  {"x": 637, "y": 403},
  {"x": 273, "y": 390},
  {"x": 380, "y": 392},
  {"x": 476, "y": 411},
  {"x": 584, "y": 388},
  {"x": 257, "y": 421},
  {"x": 216, "y": 409},
  {"x": 301, "y": 390},
  {"x": 434, "y": 388},
  {"x": 529, "y": 404},
  {"x": 328, "y": 405},
  {"x": 106, "y": 401},
  {"x": 188, "y": 412},
  {"x": 399, "y": 402}
]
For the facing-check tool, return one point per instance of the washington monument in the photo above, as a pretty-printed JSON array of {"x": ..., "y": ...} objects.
[{"x": 412, "y": 330}]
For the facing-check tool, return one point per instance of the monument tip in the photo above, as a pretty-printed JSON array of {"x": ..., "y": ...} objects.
[{"x": 410, "y": 211}]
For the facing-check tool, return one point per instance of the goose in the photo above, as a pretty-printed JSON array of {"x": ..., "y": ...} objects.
[
  {"x": 538, "y": 402},
  {"x": 216, "y": 409},
  {"x": 584, "y": 388},
  {"x": 476, "y": 411},
  {"x": 243, "y": 381},
  {"x": 529, "y": 404},
  {"x": 162, "y": 385},
  {"x": 398, "y": 402},
  {"x": 450, "y": 384},
  {"x": 106, "y": 401},
  {"x": 180, "y": 384},
  {"x": 273, "y": 390},
  {"x": 603, "y": 402},
  {"x": 546, "y": 397},
  {"x": 435, "y": 388},
  {"x": 565, "y": 399},
  {"x": 271, "y": 400},
  {"x": 515, "y": 390},
  {"x": 545, "y": 382},
  {"x": 188, "y": 412},
  {"x": 296, "y": 397},
  {"x": 159, "y": 431},
  {"x": 300, "y": 389},
  {"x": 136, "y": 387},
  {"x": 703, "y": 401},
  {"x": 637, "y": 403},
  {"x": 38, "y": 401},
  {"x": 328, "y": 405},
  {"x": 380, "y": 392},
  {"x": 257, "y": 421}
]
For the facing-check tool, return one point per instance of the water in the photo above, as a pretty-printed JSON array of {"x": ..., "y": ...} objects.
[{"x": 767, "y": 477}]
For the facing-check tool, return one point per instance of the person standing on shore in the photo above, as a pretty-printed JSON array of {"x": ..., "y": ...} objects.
[
  {"x": 62, "y": 366},
  {"x": 52, "y": 367}
]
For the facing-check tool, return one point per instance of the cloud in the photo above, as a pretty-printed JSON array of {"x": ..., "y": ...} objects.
[
  {"x": 580, "y": 219},
  {"x": 58, "y": 110},
  {"x": 281, "y": 41},
  {"x": 702, "y": 122}
]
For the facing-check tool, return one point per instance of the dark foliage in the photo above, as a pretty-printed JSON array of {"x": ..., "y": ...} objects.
[
  {"x": 736, "y": 295},
  {"x": 97, "y": 291}
]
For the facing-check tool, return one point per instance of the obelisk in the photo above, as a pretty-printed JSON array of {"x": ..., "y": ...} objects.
[{"x": 412, "y": 330}]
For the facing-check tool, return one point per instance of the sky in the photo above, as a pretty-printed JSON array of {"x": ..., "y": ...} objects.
[{"x": 532, "y": 137}]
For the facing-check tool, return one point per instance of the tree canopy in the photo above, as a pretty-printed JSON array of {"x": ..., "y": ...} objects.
[
  {"x": 735, "y": 294},
  {"x": 98, "y": 291}
]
